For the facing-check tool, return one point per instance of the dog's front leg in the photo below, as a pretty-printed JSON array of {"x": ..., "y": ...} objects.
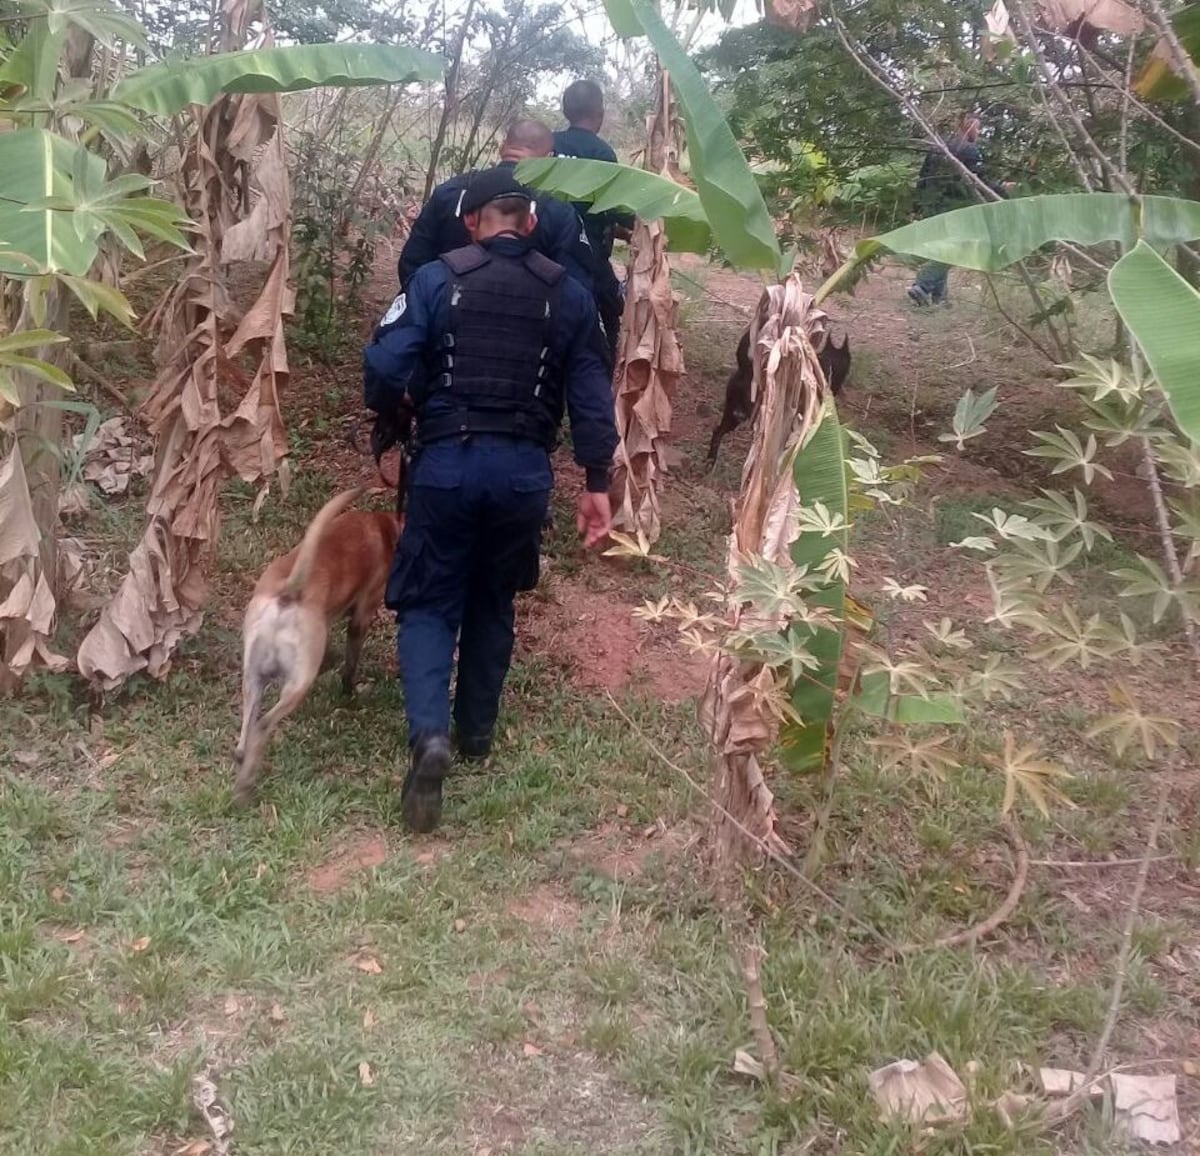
[{"x": 356, "y": 633}]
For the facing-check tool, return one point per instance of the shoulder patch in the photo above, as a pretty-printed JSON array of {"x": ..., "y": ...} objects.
[{"x": 395, "y": 311}]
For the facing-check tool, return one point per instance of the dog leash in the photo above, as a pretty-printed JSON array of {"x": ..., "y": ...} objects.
[{"x": 377, "y": 450}]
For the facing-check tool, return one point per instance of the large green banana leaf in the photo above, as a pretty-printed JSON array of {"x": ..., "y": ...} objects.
[
  {"x": 728, "y": 191},
  {"x": 170, "y": 86},
  {"x": 1158, "y": 80},
  {"x": 820, "y": 475},
  {"x": 605, "y": 186},
  {"x": 37, "y": 167},
  {"x": 992, "y": 236},
  {"x": 1163, "y": 313}
]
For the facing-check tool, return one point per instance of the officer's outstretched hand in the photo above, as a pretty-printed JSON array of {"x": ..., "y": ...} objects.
[{"x": 594, "y": 520}]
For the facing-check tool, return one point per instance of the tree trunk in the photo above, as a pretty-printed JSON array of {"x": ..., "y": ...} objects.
[{"x": 448, "y": 105}]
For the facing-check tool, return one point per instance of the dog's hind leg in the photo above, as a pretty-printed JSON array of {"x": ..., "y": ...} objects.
[
  {"x": 253, "y": 685},
  {"x": 290, "y": 697},
  {"x": 725, "y": 425},
  {"x": 297, "y": 683}
]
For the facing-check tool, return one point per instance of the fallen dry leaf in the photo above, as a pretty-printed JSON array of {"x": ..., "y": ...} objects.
[
  {"x": 746, "y": 1065},
  {"x": 206, "y": 1101},
  {"x": 1191, "y": 1068},
  {"x": 1060, "y": 1081},
  {"x": 460, "y": 925},
  {"x": 1010, "y": 1107},
  {"x": 531, "y": 1050},
  {"x": 277, "y": 1014},
  {"x": 622, "y": 811},
  {"x": 140, "y": 944},
  {"x": 195, "y": 1148},
  {"x": 368, "y": 1020},
  {"x": 365, "y": 1076},
  {"x": 925, "y": 1093},
  {"x": 1146, "y": 1108},
  {"x": 232, "y": 1007},
  {"x": 72, "y": 936},
  {"x": 369, "y": 964}
]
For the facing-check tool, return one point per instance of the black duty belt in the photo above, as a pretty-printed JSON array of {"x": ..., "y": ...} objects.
[{"x": 464, "y": 423}]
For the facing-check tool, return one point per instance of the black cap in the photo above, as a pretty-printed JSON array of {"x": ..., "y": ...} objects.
[{"x": 491, "y": 185}]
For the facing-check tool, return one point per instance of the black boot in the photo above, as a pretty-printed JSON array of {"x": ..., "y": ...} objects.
[
  {"x": 421, "y": 796},
  {"x": 473, "y": 747}
]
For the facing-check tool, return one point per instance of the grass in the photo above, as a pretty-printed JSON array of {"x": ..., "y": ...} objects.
[{"x": 551, "y": 973}]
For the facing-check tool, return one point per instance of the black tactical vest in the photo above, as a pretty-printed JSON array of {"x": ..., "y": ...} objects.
[{"x": 494, "y": 361}]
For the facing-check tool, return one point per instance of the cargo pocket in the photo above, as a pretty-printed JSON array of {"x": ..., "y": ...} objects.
[
  {"x": 531, "y": 495},
  {"x": 405, "y": 579}
]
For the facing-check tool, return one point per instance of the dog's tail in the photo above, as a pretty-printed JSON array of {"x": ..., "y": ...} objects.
[{"x": 307, "y": 554}]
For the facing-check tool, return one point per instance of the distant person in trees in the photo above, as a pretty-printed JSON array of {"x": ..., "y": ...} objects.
[
  {"x": 940, "y": 188},
  {"x": 583, "y": 107}
]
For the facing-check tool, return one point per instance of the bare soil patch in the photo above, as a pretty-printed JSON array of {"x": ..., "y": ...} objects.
[
  {"x": 356, "y": 854},
  {"x": 622, "y": 851},
  {"x": 546, "y": 908},
  {"x": 553, "y": 1102}
]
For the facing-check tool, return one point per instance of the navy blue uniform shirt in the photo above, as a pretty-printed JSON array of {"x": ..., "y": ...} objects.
[
  {"x": 413, "y": 327},
  {"x": 582, "y": 142},
  {"x": 439, "y": 229}
]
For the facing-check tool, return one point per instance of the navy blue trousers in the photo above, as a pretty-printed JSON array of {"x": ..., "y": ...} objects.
[{"x": 471, "y": 540}]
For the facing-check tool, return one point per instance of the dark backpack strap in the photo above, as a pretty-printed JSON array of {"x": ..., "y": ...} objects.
[
  {"x": 467, "y": 259},
  {"x": 547, "y": 271}
]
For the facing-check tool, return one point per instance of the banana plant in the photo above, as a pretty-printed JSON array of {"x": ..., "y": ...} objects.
[
  {"x": 606, "y": 186},
  {"x": 59, "y": 200}
]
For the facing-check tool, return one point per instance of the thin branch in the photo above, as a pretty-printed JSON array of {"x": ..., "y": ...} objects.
[
  {"x": 762, "y": 845},
  {"x": 1099, "y": 862},
  {"x": 1081, "y": 1094},
  {"x": 1180, "y": 59},
  {"x": 1167, "y": 538},
  {"x": 991, "y": 283},
  {"x": 985, "y": 927},
  {"x": 1068, "y": 109},
  {"x": 1123, "y": 155}
]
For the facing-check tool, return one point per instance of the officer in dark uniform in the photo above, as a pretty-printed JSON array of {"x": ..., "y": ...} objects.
[
  {"x": 583, "y": 106},
  {"x": 559, "y": 234},
  {"x": 500, "y": 337}
]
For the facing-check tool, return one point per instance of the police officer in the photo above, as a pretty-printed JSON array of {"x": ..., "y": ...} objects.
[
  {"x": 502, "y": 337},
  {"x": 583, "y": 106},
  {"x": 559, "y": 234}
]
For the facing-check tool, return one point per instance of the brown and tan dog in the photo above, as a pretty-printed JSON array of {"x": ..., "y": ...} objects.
[{"x": 340, "y": 567}]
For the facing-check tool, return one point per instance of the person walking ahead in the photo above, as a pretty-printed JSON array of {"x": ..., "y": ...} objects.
[
  {"x": 941, "y": 188},
  {"x": 583, "y": 106},
  {"x": 503, "y": 337},
  {"x": 559, "y": 234}
]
